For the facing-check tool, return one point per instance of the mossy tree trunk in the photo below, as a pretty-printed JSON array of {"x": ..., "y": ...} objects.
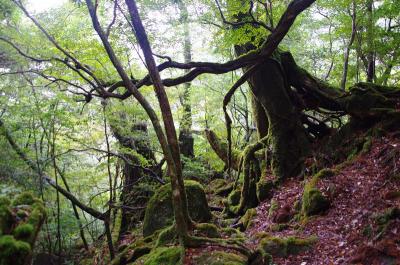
[
  {"x": 139, "y": 142},
  {"x": 186, "y": 140},
  {"x": 286, "y": 134}
]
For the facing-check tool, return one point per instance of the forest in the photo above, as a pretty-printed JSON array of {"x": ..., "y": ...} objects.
[{"x": 208, "y": 132}]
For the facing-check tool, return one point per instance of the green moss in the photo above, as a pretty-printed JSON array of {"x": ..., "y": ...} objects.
[
  {"x": 135, "y": 250},
  {"x": 24, "y": 232},
  {"x": 22, "y": 214},
  {"x": 116, "y": 226},
  {"x": 13, "y": 251},
  {"x": 367, "y": 145},
  {"x": 278, "y": 227},
  {"x": 389, "y": 214},
  {"x": 208, "y": 230},
  {"x": 220, "y": 258},
  {"x": 24, "y": 198},
  {"x": 282, "y": 247},
  {"x": 220, "y": 187},
  {"x": 164, "y": 256},
  {"x": 159, "y": 211},
  {"x": 232, "y": 233},
  {"x": 4, "y": 201},
  {"x": 325, "y": 173},
  {"x": 314, "y": 202},
  {"x": 6, "y": 219},
  {"x": 272, "y": 209},
  {"x": 87, "y": 261},
  {"x": 166, "y": 236},
  {"x": 247, "y": 217},
  {"x": 234, "y": 197},
  {"x": 297, "y": 206},
  {"x": 264, "y": 189},
  {"x": 38, "y": 214}
]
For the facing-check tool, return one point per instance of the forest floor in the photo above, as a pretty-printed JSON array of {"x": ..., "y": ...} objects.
[
  {"x": 356, "y": 228},
  {"x": 350, "y": 231}
]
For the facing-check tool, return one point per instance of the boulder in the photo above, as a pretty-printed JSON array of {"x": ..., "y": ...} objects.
[
  {"x": 220, "y": 258},
  {"x": 159, "y": 212}
]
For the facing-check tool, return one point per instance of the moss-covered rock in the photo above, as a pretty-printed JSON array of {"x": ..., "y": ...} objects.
[
  {"x": 24, "y": 232},
  {"x": 282, "y": 247},
  {"x": 6, "y": 219},
  {"x": 18, "y": 233},
  {"x": 167, "y": 236},
  {"x": 135, "y": 251},
  {"x": 273, "y": 208},
  {"x": 4, "y": 201},
  {"x": 264, "y": 189},
  {"x": 220, "y": 258},
  {"x": 314, "y": 202},
  {"x": 163, "y": 256},
  {"x": 208, "y": 230},
  {"x": 220, "y": 187},
  {"x": 234, "y": 197},
  {"x": 25, "y": 198},
  {"x": 13, "y": 251},
  {"x": 159, "y": 211},
  {"x": 325, "y": 173},
  {"x": 247, "y": 218}
]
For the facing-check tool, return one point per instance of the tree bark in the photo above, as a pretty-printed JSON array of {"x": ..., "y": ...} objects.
[
  {"x": 186, "y": 140},
  {"x": 287, "y": 136}
]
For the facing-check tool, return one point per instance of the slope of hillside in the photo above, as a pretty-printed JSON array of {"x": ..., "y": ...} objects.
[{"x": 362, "y": 224}]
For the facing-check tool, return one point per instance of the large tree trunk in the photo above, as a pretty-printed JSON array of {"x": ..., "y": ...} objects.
[
  {"x": 139, "y": 142},
  {"x": 287, "y": 136}
]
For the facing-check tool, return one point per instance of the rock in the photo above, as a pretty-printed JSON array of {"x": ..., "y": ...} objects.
[
  {"x": 247, "y": 218},
  {"x": 220, "y": 187},
  {"x": 283, "y": 215},
  {"x": 314, "y": 202},
  {"x": 220, "y": 258},
  {"x": 282, "y": 247},
  {"x": 264, "y": 189},
  {"x": 392, "y": 195},
  {"x": 234, "y": 197},
  {"x": 159, "y": 211}
]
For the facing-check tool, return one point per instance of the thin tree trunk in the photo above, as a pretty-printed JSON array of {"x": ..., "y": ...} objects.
[
  {"x": 370, "y": 42},
  {"x": 186, "y": 140},
  {"x": 348, "y": 47},
  {"x": 181, "y": 214}
]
